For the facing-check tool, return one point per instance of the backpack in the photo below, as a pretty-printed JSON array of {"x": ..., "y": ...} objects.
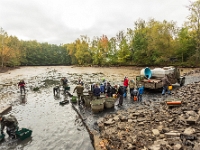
[{"x": 135, "y": 98}]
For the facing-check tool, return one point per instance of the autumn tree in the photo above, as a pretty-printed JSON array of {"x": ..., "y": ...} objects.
[
  {"x": 194, "y": 25},
  {"x": 9, "y": 49}
]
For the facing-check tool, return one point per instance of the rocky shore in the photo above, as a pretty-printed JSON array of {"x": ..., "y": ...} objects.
[{"x": 161, "y": 127}]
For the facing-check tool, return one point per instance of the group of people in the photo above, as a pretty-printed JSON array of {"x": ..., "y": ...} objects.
[{"x": 120, "y": 91}]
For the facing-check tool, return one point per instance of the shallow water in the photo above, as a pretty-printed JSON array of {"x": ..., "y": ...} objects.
[{"x": 55, "y": 126}]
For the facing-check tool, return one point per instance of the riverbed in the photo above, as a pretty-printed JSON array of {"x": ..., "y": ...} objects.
[{"x": 55, "y": 126}]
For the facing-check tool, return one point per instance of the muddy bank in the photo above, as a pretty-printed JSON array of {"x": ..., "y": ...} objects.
[{"x": 154, "y": 125}]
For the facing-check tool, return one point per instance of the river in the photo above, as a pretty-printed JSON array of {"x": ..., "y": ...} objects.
[{"x": 54, "y": 127}]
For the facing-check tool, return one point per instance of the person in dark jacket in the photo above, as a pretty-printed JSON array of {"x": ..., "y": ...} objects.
[
  {"x": 96, "y": 91},
  {"x": 21, "y": 85},
  {"x": 56, "y": 90},
  {"x": 11, "y": 124},
  {"x": 114, "y": 90},
  {"x": 64, "y": 83},
  {"x": 140, "y": 92},
  {"x": 108, "y": 92},
  {"x": 80, "y": 81},
  {"x": 120, "y": 92},
  {"x": 102, "y": 88}
]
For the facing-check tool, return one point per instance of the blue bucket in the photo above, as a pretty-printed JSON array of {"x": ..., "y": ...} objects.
[{"x": 146, "y": 72}]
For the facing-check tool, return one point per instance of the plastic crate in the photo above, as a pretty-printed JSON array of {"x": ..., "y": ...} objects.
[
  {"x": 67, "y": 88},
  {"x": 64, "y": 102},
  {"x": 23, "y": 133},
  {"x": 2, "y": 137}
]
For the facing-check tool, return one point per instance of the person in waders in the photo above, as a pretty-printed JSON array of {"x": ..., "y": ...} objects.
[
  {"x": 11, "y": 124},
  {"x": 134, "y": 94},
  {"x": 120, "y": 93},
  {"x": 21, "y": 85},
  {"x": 96, "y": 91},
  {"x": 166, "y": 83},
  {"x": 56, "y": 90},
  {"x": 64, "y": 82},
  {"x": 132, "y": 86},
  {"x": 140, "y": 92},
  {"x": 125, "y": 86},
  {"x": 79, "y": 90}
]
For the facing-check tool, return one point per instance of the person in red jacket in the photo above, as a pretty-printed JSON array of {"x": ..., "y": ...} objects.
[
  {"x": 125, "y": 86},
  {"x": 21, "y": 85}
]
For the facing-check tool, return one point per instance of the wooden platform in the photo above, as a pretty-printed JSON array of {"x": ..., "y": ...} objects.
[
  {"x": 152, "y": 80},
  {"x": 5, "y": 109}
]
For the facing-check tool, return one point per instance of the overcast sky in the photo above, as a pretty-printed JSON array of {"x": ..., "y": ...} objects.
[{"x": 63, "y": 21}]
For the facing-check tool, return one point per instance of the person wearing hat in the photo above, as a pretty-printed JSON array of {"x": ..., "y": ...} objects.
[
  {"x": 79, "y": 90},
  {"x": 11, "y": 124}
]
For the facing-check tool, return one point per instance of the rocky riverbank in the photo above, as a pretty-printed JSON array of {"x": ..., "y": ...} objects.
[{"x": 161, "y": 127}]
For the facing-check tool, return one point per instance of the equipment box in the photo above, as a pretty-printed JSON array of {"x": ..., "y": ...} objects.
[
  {"x": 2, "y": 137},
  {"x": 23, "y": 133}
]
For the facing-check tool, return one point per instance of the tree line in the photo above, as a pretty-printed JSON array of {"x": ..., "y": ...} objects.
[{"x": 147, "y": 43}]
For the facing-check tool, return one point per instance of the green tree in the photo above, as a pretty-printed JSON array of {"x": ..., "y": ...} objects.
[{"x": 194, "y": 25}]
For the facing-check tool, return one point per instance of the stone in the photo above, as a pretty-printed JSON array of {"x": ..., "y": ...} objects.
[
  {"x": 196, "y": 146},
  {"x": 140, "y": 119},
  {"x": 109, "y": 122},
  {"x": 161, "y": 136},
  {"x": 177, "y": 147},
  {"x": 172, "y": 134},
  {"x": 130, "y": 120},
  {"x": 100, "y": 120},
  {"x": 155, "y": 131},
  {"x": 116, "y": 118},
  {"x": 141, "y": 124},
  {"x": 189, "y": 131}
]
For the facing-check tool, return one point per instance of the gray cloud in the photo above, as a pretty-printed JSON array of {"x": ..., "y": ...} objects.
[{"x": 64, "y": 21}]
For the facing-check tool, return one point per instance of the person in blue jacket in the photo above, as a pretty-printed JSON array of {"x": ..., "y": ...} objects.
[
  {"x": 102, "y": 88},
  {"x": 140, "y": 92},
  {"x": 96, "y": 91}
]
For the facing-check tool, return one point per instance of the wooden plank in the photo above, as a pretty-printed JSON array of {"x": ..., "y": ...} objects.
[{"x": 5, "y": 109}]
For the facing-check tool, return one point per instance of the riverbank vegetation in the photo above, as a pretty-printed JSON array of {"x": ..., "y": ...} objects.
[{"x": 147, "y": 43}]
